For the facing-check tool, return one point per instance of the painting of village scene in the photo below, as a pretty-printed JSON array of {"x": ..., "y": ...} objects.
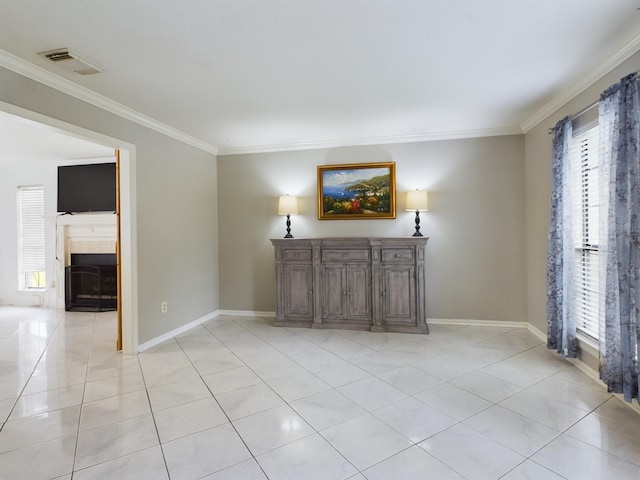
[{"x": 357, "y": 191}]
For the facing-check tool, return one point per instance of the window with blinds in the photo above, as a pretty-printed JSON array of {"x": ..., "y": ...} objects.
[
  {"x": 31, "y": 251},
  {"x": 586, "y": 225}
]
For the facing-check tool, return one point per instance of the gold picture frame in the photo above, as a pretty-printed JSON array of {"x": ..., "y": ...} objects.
[{"x": 357, "y": 191}]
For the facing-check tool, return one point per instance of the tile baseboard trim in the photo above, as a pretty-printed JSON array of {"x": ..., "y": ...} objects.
[
  {"x": 209, "y": 316},
  {"x": 177, "y": 331},
  {"x": 587, "y": 370},
  {"x": 247, "y": 313},
  {"x": 476, "y": 323},
  {"x": 537, "y": 332}
]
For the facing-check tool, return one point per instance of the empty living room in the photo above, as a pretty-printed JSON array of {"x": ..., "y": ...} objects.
[{"x": 332, "y": 240}]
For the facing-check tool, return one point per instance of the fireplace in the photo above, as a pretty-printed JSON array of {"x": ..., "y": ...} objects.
[{"x": 91, "y": 282}]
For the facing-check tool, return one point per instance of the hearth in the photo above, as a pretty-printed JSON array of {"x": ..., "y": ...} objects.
[{"x": 91, "y": 282}]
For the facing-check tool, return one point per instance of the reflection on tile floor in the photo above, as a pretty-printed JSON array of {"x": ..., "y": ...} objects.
[{"x": 236, "y": 398}]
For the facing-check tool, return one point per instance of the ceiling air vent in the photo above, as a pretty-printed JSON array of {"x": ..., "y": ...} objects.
[{"x": 71, "y": 61}]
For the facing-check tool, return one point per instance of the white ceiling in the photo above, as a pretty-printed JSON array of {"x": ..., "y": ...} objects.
[
  {"x": 23, "y": 140},
  {"x": 252, "y": 75}
]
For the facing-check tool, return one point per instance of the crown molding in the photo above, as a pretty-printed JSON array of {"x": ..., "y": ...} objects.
[
  {"x": 40, "y": 75},
  {"x": 354, "y": 142},
  {"x": 588, "y": 80}
]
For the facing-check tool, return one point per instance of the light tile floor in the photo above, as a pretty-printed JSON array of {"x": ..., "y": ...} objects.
[{"x": 236, "y": 398}]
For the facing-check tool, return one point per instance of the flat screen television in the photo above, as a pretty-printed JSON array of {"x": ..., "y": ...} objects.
[{"x": 87, "y": 188}]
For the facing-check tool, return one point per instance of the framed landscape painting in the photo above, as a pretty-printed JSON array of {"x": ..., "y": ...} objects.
[{"x": 357, "y": 191}]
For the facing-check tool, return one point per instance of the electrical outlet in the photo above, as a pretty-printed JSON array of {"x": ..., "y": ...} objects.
[{"x": 163, "y": 307}]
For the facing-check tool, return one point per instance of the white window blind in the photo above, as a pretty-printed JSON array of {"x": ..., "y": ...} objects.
[
  {"x": 586, "y": 225},
  {"x": 31, "y": 248}
]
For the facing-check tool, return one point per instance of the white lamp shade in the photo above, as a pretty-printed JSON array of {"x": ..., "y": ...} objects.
[
  {"x": 288, "y": 205},
  {"x": 417, "y": 200}
]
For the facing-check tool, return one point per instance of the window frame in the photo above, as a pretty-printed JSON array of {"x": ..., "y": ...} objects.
[
  {"x": 31, "y": 238},
  {"x": 585, "y": 193}
]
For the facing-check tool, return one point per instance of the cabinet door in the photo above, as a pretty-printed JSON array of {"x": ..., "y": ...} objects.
[
  {"x": 335, "y": 291},
  {"x": 298, "y": 291},
  {"x": 359, "y": 292},
  {"x": 347, "y": 294},
  {"x": 399, "y": 295}
]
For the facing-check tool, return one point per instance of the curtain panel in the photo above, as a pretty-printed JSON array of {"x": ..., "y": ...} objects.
[
  {"x": 561, "y": 327},
  {"x": 619, "y": 124}
]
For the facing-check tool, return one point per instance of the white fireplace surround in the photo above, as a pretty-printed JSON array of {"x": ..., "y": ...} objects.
[{"x": 82, "y": 233}]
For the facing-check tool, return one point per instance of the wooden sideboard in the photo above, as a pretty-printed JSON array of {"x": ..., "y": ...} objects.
[{"x": 375, "y": 284}]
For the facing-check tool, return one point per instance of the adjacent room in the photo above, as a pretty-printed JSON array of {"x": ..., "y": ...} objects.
[{"x": 319, "y": 240}]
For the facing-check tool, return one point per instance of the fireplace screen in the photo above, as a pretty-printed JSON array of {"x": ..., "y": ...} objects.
[{"x": 91, "y": 283}]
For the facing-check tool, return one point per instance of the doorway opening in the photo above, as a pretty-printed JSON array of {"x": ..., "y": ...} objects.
[{"x": 126, "y": 222}]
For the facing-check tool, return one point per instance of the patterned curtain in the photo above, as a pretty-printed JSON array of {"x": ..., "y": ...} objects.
[
  {"x": 619, "y": 123},
  {"x": 561, "y": 328}
]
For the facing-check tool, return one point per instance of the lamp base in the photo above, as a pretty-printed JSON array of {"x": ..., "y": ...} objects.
[
  {"x": 417, "y": 234},
  {"x": 288, "y": 235}
]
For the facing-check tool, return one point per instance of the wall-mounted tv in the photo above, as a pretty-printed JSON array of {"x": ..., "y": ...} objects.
[{"x": 87, "y": 188}]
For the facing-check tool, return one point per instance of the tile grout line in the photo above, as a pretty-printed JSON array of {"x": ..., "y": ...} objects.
[
  {"x": 153, "y": 416},
  {"x": 220, "y": 406},
  {"x": 84, "y": 386},
  {"x": 285, "y": 402},
  {"x": 35, "y": 366}
]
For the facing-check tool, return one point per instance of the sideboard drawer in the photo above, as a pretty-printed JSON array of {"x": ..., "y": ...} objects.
[
  {"x": 296, "y": 255},
  {"x": 346, "y": 255},
  {"x": 399, "y": 255}
]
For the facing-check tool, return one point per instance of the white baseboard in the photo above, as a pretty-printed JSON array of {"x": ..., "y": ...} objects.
[
  {"x": 174, "y": 333},
  {"x": 537, "y": 332},
  {"x": 587, "y": 370},
  {"x": 246, "y": 313},
  {"x": 475, "y": 323},
  {"x": 595, "y": 376}
]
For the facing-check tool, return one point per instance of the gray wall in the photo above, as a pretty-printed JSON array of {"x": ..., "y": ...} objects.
[
  {"x": 176, "y": 196},
  {"x": 476, "y": 250},
  {"x": 538, "y": 190}
]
